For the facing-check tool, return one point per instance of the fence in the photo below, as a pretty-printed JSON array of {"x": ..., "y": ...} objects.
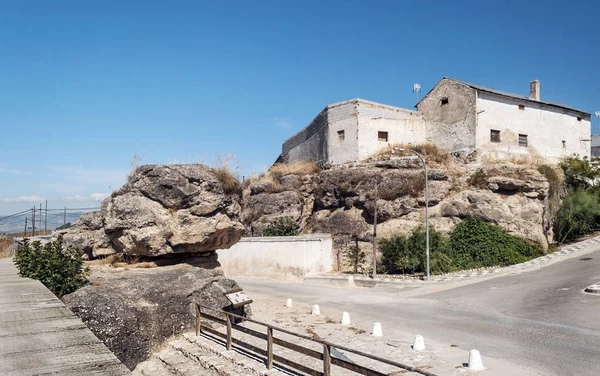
[{"x": 270, "y": 340}]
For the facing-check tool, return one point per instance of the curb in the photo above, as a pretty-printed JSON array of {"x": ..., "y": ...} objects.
[{"x": 372, "y": 282}]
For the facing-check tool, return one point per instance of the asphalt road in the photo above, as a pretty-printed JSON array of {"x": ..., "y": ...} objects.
[{"x": 539, "y": 319}]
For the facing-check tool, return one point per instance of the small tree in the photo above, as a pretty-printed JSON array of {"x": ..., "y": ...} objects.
[
  {"x": 59, "y": 268},
  {"x": 355, "y": 257}
]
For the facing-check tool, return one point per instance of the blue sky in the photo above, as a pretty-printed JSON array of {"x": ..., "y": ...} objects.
[{"x": 86, "y": 85}]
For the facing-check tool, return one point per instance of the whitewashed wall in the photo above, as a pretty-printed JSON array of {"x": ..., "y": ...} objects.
[
  {"x": 403, "y": 127},
  {"x": 281, "y": 257},
  {"x": 342, "y": 117},
  {"x": 545, "y": 126}
]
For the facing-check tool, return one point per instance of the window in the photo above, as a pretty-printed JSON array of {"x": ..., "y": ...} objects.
[
  {"x": 494, "y": 135},
  {"x": 564, "y": 144},
  {"x": 578, "y": 118},
  {"x": 444, "y": 101},
  {"x": 341, "y": 135},
  {"x": 523, "y": 140},
  {"x": 382, "y": 136},
  {"x": 522, "y": 107}
]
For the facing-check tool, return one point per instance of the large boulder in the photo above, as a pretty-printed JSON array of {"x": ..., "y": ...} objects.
[
  {"x": 135, "y": 311},
  {"x": 164, "y": 209},
  {"x": 88, "y": 235}
]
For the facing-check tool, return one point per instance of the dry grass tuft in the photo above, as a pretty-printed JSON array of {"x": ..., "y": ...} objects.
[
  {"x": 297, "y": 168},
  {"x": 433, "y": 154},
  {"x": 533, "y": 160},
  {"x": 227, "y": 175},
  {"x": 309, "y": 330},
  {"x": 122, "y": 261},
  {"x": 4, "y": 246},
  {"x": 356, "y": 330}
]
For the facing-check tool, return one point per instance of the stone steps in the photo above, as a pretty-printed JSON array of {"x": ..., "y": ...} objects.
[{"x": 201, "y": 355}]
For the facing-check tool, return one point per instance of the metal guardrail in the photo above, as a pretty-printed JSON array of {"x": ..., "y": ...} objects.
[{"x": 270, "y": 339}]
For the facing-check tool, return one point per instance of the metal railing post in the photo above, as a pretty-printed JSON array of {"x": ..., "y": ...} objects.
[
  {"x": 326, "y": 360},
  {"x": 198, "y": 322},
  {"x": 269, "y": 348},
  {"x": 228, "y": 321}
]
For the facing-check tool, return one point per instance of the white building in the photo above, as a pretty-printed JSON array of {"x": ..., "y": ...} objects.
[{"x": 453, "y": 115}]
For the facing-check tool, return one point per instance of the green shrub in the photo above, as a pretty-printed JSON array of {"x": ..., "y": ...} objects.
[
  {"x": 579, "y": 172},
  {"x": 475, "y": 243},
  {"x": 59, "y": 268},
  {"x": 282, "y": 226},
  {"x": 439, "y": 263},
  {"x": 579, "y": 215},
  {"x": 397, "y": 256},
  {"x": 478, "y": 179},
  {"x": 401, "y": 254}
]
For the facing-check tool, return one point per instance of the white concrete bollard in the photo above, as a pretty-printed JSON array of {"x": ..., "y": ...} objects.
[
  {"x": 289, "y": 303},
  {"x": 377, "y": 332},
  {"x": 419, "y": 343},
  {"x": 475, "y": 362},
  {"x": 316, "y": 311},
  {"x": 351, "y": 281},
  {"x": 346, "y": 318}
]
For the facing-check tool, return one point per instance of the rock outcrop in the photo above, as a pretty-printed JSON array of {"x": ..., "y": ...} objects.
[
  {"x": 342, "y": 199},
  {"x": 135, "y": 311},
  {"x": 163, "y": 209}
]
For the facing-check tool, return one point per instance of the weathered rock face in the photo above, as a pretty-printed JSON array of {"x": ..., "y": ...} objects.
[
  {"x": 87, "y": 233},
  {"x": 163, "y": 209},
  {"x": 134, "y": 311},
  {"x": 342, "y": 199}
]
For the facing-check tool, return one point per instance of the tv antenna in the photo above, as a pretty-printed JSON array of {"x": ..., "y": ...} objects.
[{"x": 417, "y": 90}]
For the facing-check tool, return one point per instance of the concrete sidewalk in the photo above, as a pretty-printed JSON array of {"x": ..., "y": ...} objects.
[{"x": 39, "y": 335}]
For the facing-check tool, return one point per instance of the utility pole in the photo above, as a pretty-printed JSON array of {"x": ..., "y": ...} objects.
[
  {"x": 25, "y": 231},
  {"x": 375, "y": 232},
  {"x": 422, "y": 158},
  {"x": 40, "y": 217},
  {"x": 33, "y": 223},
  {"x": 65, "y": 217},
  {"x": 46, "y": 218}
]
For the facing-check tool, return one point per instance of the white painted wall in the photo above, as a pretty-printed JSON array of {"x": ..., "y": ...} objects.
[
  {"x": 403, "y": 127},
  {"x": 545, "y": 126},
  {"x": 342, "y": 118},
  {"x": 281, "y": 257}
]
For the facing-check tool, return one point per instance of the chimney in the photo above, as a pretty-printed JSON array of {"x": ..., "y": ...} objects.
[{"x": 534, "y": 90}]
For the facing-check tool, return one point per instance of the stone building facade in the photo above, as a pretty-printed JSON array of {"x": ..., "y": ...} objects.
[
  {"x": 351, "y": 131},
  {"x": 453, "y": 115}
]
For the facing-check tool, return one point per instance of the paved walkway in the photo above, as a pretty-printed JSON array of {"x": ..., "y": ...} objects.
[{"x": 39, "y": 335}]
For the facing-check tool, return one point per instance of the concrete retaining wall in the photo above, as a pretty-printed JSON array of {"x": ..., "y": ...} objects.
[{"x": 282, "y": 257}]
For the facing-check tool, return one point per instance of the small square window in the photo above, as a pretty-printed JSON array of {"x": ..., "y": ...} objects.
[
  {"x": 522, "y": 107},
  {"x": 564, "y": 144},
  {"x": 523, "y": 140},
  {"x": 494, "y": 135},
  {"x": 444, "y": 101},
  {"x": 578, "y": 118},
  {"x": 382, "y": 136},
  {"x": 341, "y": 135}
]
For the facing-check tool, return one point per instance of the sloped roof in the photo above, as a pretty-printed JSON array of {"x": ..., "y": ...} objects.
[{"x": 510, "y": 95}]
